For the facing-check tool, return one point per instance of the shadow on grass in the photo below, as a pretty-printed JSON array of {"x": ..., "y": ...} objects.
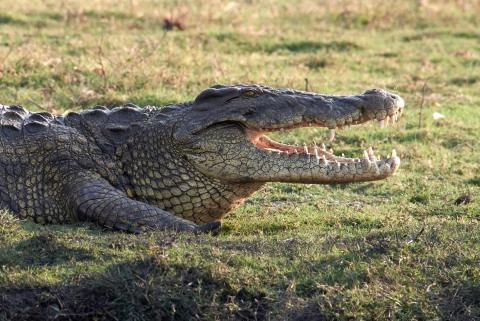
[
  {"x": 42, "y": 250},
  {"x": 460, "y": 304},
  {"x": 268, "y": 45},
  {"x": 457, "y": 302},
  {"x": 6, "y": 19},
  {"x": 464, "y": 81},
  {"x": 145, "y": 289},
  {"x": 312, "y": 46},
  {"x": 326, "y": 288},
  {"x": 344, "y": 290},
  {"x": 154, "y": 289},
  {"x": 42, "y": 19},
  {"x": 474, "y": 181},
  {"x": 444, "y": 33}
]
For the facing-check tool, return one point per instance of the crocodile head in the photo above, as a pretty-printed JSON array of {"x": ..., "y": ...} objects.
[{"x": 223, "y": 134}]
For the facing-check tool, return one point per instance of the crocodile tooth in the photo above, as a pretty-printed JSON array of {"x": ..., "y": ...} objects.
[
  {"x": 337, "y": 165},
  {"x": 370, "y": 151},
  {"x": 315, "y": 149},
  {"x": 382, "y": 124},
  {"x": 305, "y": 149},
  {"x": 394, "y": 153},
  {"x": 387, "y": 121},
  {"x": 331, "y": 151},
  {"x": 371, "y": 154},
  {"x": 365, "y": 154},
  {"x": 296, "y": 151},
  {"x": 322, "y": 147},
  {"x": 343, "y": 155},
  {"x": 331, "y": 134}
]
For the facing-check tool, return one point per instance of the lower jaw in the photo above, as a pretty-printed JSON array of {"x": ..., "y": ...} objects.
[
  {"x": 334, "y": 173},
  {"x": 317, "y": 166}
]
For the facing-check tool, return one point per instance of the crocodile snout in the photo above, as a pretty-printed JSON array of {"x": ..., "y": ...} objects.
[
  {"x": 380, "y": 105},
  {"x": 375, "y": 99}
]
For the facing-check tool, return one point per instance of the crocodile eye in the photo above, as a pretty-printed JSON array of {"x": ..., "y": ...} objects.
[{"x": 250, "y": 93}]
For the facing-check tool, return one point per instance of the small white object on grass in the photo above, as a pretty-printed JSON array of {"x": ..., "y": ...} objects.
[{"x": 437, "y": 116}]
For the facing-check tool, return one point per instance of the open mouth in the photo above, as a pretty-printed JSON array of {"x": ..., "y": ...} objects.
[{"x": 318, "y": 153}]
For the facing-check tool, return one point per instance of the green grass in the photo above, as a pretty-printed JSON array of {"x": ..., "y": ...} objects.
[{"x": 398, "y": 249}]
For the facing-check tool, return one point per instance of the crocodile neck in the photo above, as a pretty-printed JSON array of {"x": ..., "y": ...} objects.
[{"x": 159, "y": 175}]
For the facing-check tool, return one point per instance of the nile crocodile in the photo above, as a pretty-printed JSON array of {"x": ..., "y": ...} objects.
[{"x": 183, "y": 166}]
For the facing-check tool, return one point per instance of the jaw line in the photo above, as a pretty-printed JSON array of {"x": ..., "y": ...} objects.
[
  {"x": 270, "y": 147},
  {"x": 268, "y": 144}
]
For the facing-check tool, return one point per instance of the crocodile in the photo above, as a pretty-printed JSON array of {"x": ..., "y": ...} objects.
[{"x": 183, "y": 166}]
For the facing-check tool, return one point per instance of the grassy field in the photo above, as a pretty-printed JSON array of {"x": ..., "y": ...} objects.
[{"x": 398, "y": 249}]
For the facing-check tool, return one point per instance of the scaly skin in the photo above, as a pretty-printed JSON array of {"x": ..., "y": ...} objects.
[{"x": 181, "y": 167}]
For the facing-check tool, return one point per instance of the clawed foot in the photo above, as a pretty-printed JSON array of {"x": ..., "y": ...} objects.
[{"x": 211, "y": 228}]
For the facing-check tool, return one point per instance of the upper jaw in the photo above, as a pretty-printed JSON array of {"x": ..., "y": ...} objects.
[
  {"x": 316, "y": 110},
  {"x": 373, "y": 104}
]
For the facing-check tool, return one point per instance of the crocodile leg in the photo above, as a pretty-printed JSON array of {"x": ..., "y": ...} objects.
[{"x": 94, "y": 199}]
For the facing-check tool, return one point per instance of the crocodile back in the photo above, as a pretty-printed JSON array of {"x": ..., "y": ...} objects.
[
  {"x": 16, "y": 122},
  {"x": 108, "y": 128}
]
